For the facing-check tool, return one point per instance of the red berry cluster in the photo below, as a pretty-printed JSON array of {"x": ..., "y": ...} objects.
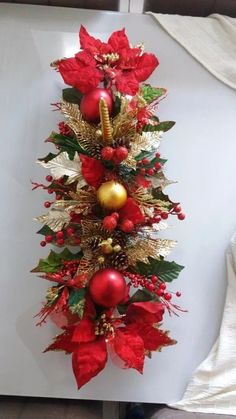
[
  {"x": 150, "y": 171},
  {"x": 110, "y": 222},
  {"x": 152, "y": 284},
  {"x": 64, "y": 129},
  {"x": 60, "y": 237},
  {"x": 69, "y": 268},
  {"x": 117, "y": 155}
]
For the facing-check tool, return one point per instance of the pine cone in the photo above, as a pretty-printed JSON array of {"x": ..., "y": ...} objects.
[
  {"x": 94, "y": 242},
  {"x": 119, "y": 142},
  {"x": 119, "y": 238},
  {"x": 96, "y": 151},
  {"x": 119, "y": 260}
]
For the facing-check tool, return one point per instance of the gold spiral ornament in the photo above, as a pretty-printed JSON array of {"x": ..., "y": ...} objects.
[{"x": 105, "y": 121}]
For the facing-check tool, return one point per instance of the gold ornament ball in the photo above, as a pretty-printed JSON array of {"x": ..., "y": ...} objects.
[
  {"x": 117, "y": 248},
  {"x": 112, "y": 195},
  {"x": 107, "y": 248}
]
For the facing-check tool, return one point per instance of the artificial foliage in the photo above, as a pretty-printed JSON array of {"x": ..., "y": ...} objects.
[{"x": 108, "y": 277}]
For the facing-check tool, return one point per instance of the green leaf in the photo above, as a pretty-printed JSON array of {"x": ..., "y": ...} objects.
[
  {"x": 68, "y": 144},
  {"x": 54, "y": 261},
  {"x": 76, "y": 296},
  {"x": 72, "y": 95},
  {"x": 77, "y": 302},
  {"x": 47, "y": 158},
  {"x": 162, "y": 126},
  {"x": 158, "y": 194},
  {"x": 150, "y": 93},
  {"x": 165, "y": 125},
  {"x": 116, "y": 105},
  {"x": 45, "y": 230},
  {"x": 165, "y": 270},
  {"x": 143, "y": 295}
]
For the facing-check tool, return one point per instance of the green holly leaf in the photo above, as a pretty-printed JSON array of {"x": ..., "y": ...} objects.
[
  {"x": 45, "y": 230},
  {"x": 54, "y": 261},
  {"x": 116, "y": 105},
  {"x": 72, "y": 95},
  {"x": 162, "y": 126},
  {"x": 165, "y": 270},
  {"x": 150, "y": 94},
  {"x": 48, "y": 157},
  {"x": 68, "y": 144},
  {"x": 77, "y": 302},
  {"x": 158, "y": 194},
  {"x": 143, "y": 295}
]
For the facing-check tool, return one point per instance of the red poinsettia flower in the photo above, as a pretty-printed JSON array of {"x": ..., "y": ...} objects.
[
  {"x": 130, "y": 338},
  {"x": 115, "y": 63},
  {"x": 92, "y": 170}
]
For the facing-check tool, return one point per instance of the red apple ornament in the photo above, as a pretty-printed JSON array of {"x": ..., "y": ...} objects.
[
  {"x": 89, "y": 105},
  {"x": 107, "y": 287}
]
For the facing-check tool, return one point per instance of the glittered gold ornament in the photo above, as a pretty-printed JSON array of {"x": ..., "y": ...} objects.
[
  {"x": 112, "y": 195},
  {"x": 117, "y": 248},
  {"x": 106, "y": 248}
]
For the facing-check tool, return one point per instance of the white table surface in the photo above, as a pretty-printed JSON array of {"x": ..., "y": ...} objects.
[{"x": 201, "y": 150}]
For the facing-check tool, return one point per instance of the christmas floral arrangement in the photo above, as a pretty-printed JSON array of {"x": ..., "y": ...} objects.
[{"x": 106, "y": 183}]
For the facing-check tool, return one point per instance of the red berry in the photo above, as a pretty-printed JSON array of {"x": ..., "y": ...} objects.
[
  {"x": 162, "y": 286},
  {"x": 50, "y": 191},
  {"x": 145, "y": 161},
  {"x": 158, "y": 166},
  {"x": 181, "y": 216},
  {"x": 47, "y": 204},
  {"x": 151, "y": 287},
  {"x": 121, "y": 153},
  {"x": 177, "y": 208},
  {"x": 178, "y": 294},
  {"x": 157, "y": 219},
  {"x": 70, "y": 231},
  {"x": 115, "y": 215},
  {"x": 109, "y": 223},
  {"x": 154, "y": 279},
  {"x": 150, "y": 172},
  {"x": 159, "y": 293},
  {"x": 60, "y": 241},
  {"x": 143, "y": 171},
  {"x": 127, "y": 226},
  {"x": 164, "y": 215},
  {"x": 58, "y": 197},
  {"x": 49, "y": 178},
  {"x": 59, "y": 235},
  {"x": 48, "y": 238},
  {"x": 158, "y": 155},
  {"x": 107, "y": 153},
  {"x": 167, "y": 296},
  {"x": 43, "y": 243}
]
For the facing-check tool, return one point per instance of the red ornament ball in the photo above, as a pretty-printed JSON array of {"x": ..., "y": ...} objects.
[
  {"x": 127, "y": 226},
  {"x": 109, "y": 223},
  {"x": 89, "y": 105},
  {"x": 107, "y": 287},
  {"x": 107, "y": 153},
  {"x": 121, "y": 153}
]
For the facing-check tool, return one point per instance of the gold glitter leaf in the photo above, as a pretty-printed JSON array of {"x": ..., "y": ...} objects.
[
  {"x": 148, "y": 203},
  {"x": 61, "y": 166},
  {"x": 55, "y": 219},
  {"x": 142, "y": 249}
]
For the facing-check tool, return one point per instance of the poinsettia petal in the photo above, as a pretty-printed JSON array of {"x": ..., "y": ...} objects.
[
  {"x": 86, "y": 58},
  {"x": 84, "y": 331},
  {"x": 153, "y": 338},
  {"x": 81, "y": 76},
  {"x": 142, "y": 181},
  {"x": 92, "y": 170},
  {"x": 88, "y": 360},
  {"x": 145, "y": 66},
  {"x": 130, "y": 348},
  {"x": 89, "y": 309},
  {"x": 145, "y": 312},
  {"x": 91, "y": 44},
  {"x": 131, "y": 211},
  {"x": 118, "y": 40},
  {"x": 63, "y": 342},
  {"x": 126, "y": 82}
]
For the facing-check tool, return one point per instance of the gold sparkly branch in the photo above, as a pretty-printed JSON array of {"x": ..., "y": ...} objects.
[{"x": 105, "y": 121}]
